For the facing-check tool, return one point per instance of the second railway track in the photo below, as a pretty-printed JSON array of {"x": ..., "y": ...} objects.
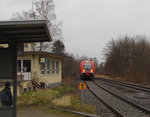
[
  {"x": 129, "y": 85},
  {"x": 118, "y": 105}
]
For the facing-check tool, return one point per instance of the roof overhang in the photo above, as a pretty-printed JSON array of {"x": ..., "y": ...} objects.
[
  {"x": 24, "y": 31},
  {"x": 46, "y": 54}
]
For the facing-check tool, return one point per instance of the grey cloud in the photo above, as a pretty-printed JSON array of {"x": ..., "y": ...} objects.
[{"x": 89, "y": 24}]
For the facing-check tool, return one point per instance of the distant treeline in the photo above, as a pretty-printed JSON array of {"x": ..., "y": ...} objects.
[
  {"x": 128, "y": 57},
  {"x": 71, "y": 66}
]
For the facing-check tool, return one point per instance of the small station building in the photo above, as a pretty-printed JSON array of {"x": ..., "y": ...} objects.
[
  {"x": 35, "y": 69},
  {"x": 38, "y": 70}
]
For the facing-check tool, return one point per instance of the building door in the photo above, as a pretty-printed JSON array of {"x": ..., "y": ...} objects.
[{"x": 24, "y": 69}]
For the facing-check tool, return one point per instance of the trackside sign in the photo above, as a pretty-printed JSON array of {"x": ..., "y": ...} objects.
[{"x": 82, "y": 86}]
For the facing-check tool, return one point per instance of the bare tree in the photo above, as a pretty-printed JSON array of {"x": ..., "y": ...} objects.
[
  {"x": 43, "y": 9},
  {"x": 128, "y": 57},
  {"x": 72, "y": 66}
]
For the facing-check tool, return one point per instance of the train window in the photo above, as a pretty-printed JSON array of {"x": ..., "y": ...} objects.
[{"x": 87, "y": 66}]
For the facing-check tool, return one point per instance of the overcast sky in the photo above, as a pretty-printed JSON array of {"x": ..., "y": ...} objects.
[{"x": 89, "y": 24}]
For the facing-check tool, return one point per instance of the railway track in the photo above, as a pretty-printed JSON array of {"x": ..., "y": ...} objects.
[
  {"x": 129, "y": 85},
  {"x": 109, "y": 110},
  {"x": 119, "y": 106}
]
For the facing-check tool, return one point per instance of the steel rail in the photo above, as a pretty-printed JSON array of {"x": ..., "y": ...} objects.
[
  {"x": 115, "y": 112},
  {"x": 143, "y": 109},
  {"x": 130, "y": 85}
]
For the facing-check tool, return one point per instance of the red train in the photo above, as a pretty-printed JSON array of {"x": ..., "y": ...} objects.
[{"x": 87, "y": 70}]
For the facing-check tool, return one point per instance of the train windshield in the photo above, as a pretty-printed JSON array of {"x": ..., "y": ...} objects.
[{"x": 87, "y": 66}]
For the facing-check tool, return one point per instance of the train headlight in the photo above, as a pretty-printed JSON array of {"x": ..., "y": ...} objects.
[
  {"x": 91, "y": 70},
  {"x": 83, "y": 70}
]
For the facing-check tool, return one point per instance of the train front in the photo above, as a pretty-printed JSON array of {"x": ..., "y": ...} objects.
[{"x": 87, "y": 70}]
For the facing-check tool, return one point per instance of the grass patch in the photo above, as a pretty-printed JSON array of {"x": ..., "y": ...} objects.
[
  {"x": 65, "y": 97},
  {"x": 76, "y": 105},
  {"x": 43, "y": 97},
  {"x": 65, "y": 89},
  {"x": 73, "y": 102}
]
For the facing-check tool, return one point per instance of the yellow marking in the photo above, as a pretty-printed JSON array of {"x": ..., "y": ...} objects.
[{"x": 82, "y": 86}]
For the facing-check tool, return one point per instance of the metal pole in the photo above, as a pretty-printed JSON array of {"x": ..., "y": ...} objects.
[
  {"x": 82, "y": 97},
  {"x": 15, "y": 80},
  {"x": 13, "y": 46}
]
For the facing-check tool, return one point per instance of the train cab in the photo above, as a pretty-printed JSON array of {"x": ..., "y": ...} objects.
[{"x": 87, "y": 70}]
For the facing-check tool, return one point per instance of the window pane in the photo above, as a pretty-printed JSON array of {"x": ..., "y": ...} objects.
[
  {"x": 42, "y": 68},
  {"x": 53, "y": 67},
  {"x": 27, "y": 65},
  {"x": 19, "y": 66},
  {"x": 57, "y": 67},
  {"x": 48, "y": 67}
]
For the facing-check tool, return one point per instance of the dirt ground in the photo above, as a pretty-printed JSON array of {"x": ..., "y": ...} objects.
[{"x": 41, "y": 112}]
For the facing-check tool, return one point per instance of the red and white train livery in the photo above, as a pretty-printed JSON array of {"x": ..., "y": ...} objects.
[{"x": 87, "y": 70}]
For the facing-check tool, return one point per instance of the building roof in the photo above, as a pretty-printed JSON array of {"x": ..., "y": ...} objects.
[
  {"x": 24, "y": 31},
  {"x": 47, "y": 54}
]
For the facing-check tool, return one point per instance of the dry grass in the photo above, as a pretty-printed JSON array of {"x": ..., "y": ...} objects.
[
  {"x": 43, "y": 97},
  {"x": 73, "y": 102},
  {"x": 65, "y": 97},
  {"x": 76, "y": 105},
  {"x": 63, "y": 101},
  {"x": 110, "y": 77}
]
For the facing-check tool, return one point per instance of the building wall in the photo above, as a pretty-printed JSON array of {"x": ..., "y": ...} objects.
[
  {"x": 52, "y": 79},
  {"x": 27, "y": 47},
  {"x": 3, "y": 45}
]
